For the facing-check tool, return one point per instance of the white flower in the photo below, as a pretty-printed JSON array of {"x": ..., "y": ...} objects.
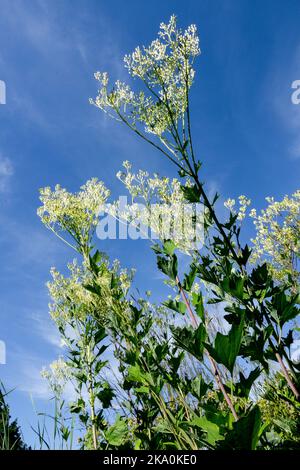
[
  {"x": 75, "y": 214},
  {"x": 166, "y": 68},
  {"x": 229, "y": 204},
  {"x": 57, "y": 376},
  {"x": 278, "y": 235},
  {"x": 158, "y": 204}
]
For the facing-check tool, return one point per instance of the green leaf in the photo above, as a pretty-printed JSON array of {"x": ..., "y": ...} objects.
[
  {"x": 117, "y": 433},
  {"x": 93, "y": 288},
  {"x": 189, "y": 279},
  {"x": 77, "y": 407},
  {"x": 179, "y": 307},
  {"x": 142, "y": 389},
  {"x": 231, "y": 222},
  {"x": 106, "y": 395},
  {"x": 190, "y": 339},
  {"x": 97, "y": 257},
  {"x": 199, "y": 387},
  {"x": 226, "y": 347},
  {"x": 288, "y": 340},
  {"x": 212, "y": 430},
  {"x": 246, "y": 252},
  {"x": 99, "y": 366},
  {"x": 242, "y": 389},
  {"x": 283, "y": 307},
  {"x": 191, "y": 194},
  {"x": 246, "y": 431},
  {"x": 168, "y": 266},
  {"x": 234, "y": 285},
  {"x": 197, "y": 301},
  {"x": 169, "y": 247},
  {"x": 253, "y": 347},
  {"x": 100, "y": 335},
  {"x": 260, "y": 276},
  {"x": 135, "y": 374}
]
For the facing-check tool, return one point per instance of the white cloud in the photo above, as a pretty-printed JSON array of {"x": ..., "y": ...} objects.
[
  {"x": 65, "y": 49},
  {"x": 45, "y": 328},
  {"x": 296, "y": 351},
  {"x": 6, "y": 171}
]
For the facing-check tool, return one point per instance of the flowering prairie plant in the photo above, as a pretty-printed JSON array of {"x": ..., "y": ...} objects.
[
  {"x": 166, "y": 70},
  {"x": 74, "y": 214},
  {"x": 211, "y": 366},
  {"x": 278, "y": 236},
  {"x": 159, "y": 204}
]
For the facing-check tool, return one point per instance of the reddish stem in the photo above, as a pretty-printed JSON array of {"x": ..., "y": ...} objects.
[{"x": 212, "y": 361}]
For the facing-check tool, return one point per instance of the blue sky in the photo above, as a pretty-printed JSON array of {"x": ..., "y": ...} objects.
[{"x": 247, "y": 133}]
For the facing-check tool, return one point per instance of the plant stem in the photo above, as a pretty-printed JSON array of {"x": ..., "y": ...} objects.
[
  {"x": 93, "y": 415},
  {"x": 216, "y": 371},
  {"x": 221, "y": 386},
  {"x": 187, "y": 303},
  {"x": 287, "y": 377}
]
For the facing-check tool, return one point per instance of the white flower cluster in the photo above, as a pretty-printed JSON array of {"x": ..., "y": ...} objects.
[
  {"x": 159, "y": 203},
  {"x": 166, "y": 69},
  {"x": 244, "y": 202},
  {"x": 278, "y": 235},
  {"x": 71, "y": 300},
  {"x": 76, "y": 214},
  {"x": 57, "y": 376}
]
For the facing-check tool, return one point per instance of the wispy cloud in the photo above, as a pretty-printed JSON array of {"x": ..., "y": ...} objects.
[
  {"x": 6, "y": 171},
  {"x": 64, "y": 51},
  {"x": 45, "y": 328}
]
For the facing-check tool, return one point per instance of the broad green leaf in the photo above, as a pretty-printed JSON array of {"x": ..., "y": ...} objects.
[
  {"x": 199, "y": 387},
  {"x": 191, "y": 193},
  {"x": 169, "y": 247},
  {"x": 117, "y": 433},
  {"x": 242, "y": 389},
  {"x": 197, "y": 301},
  {"x": 135, "y": 374},
  {"x": 246, "y": 432},
  {"x": 106, "y": 395},
  {"x": 190, "y": 339},
  {"x": 168, "y": 266},
  {"x": 212, "y": 430},
  {"x": 100, "y": 335},
  {"x": 226, "y": 347},
  {"x": 179, "y": 307},
  {"x": 189, "y": 279}
]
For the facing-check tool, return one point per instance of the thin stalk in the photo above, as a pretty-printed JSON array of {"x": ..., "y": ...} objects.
[
  {"x": 287, "y": 377},
  {"x": 134, "y": 129},
  {"x": 185, "y": 299},
  {"x": 93, "y": 414},
  {"x": 215, "y": 368},
  {"x": 91, "y": 397},
  {"x": 283, "y": 367},
  {"x": 221, "y": 386}
]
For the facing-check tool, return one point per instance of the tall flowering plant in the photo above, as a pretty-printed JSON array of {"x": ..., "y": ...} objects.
[
  {"x": 175, "y": 375},
  {"x": 258, "y": 309}
]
